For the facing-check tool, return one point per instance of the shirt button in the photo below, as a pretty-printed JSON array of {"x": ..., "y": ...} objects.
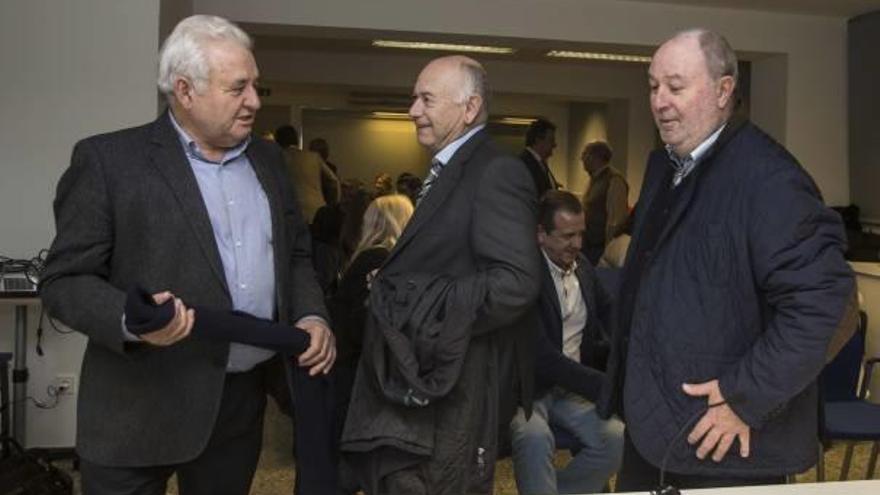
[
  {"x": 243, "y": 286},
  {"x": 230, "y": 202},
  {"x": 237, "y": 243}
]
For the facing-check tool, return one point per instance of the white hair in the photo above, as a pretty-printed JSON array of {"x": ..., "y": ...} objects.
[
  {"x": 476, "y": 83},
  {"x": 183, "y": 53}
]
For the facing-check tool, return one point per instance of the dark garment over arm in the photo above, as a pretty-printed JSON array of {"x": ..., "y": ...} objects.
[{"x": 142, "y": 316}]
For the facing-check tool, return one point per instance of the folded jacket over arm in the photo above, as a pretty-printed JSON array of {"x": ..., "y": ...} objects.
[{"x": 143, "y": 315}]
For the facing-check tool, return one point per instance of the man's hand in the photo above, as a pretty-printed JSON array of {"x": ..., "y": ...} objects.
[
  {"x": 177, "y": 329},
  {"x": 719, "y": 427},
  {"x": 321, "y": 354}
]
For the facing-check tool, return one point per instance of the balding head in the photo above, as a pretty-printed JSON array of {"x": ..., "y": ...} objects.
[{"x": 450, "y": 97}]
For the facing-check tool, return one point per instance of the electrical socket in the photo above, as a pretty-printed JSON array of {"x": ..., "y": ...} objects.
[{"x": 65, "y": 384}]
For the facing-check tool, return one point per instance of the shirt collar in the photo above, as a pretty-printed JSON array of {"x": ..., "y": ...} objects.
[
  {"x": 443, "y": 156},
  {"x": 699, "y": 151},
  {"x": 192, "y": 148},
  {"x": 557, "y": 270}
]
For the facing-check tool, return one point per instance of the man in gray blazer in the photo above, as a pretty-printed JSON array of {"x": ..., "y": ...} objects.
[
  {"x": 474, "y": 227},
  {"x": 196, "y": 211}
]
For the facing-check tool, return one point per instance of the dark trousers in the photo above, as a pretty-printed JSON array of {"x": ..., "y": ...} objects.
[
  {"x": 225, "y": 467},
  {"x": 638, "y": 475},
  {"x": 310, "y": 403}
]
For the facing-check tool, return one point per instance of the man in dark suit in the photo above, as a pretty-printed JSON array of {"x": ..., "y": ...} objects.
[
  {"x": 540, "y": 143},
  {"x": 474, "y": 227},
  {"x": 733, "y": 286},
  {"x": 569, "y": 344},
  {"x": 195, "y": 210}
]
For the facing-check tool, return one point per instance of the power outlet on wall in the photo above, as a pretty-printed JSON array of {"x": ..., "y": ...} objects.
[{"x": 65, "y": 384}]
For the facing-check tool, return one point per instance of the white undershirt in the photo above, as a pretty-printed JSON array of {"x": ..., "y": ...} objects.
[{"x": 572, "y": 308}]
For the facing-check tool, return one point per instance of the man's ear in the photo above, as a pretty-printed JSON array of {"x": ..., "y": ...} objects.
[
  {"x": 184, "y": 92},
  {"x": 725, "y": 90},
  {"x": 472, "y": 108}
]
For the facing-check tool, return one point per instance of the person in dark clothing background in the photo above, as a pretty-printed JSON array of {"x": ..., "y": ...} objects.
[
  {"x": 383, "y": 223},
  {"x": 540, "y": 143}
]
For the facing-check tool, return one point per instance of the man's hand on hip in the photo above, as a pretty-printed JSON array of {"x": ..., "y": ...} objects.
[
  {"x": 321, "y": 354},
  {"x": 177, "y": 329},
  {"x": 719, "y": 427}
]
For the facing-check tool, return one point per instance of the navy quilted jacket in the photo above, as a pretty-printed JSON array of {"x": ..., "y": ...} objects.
[{"x": 746, "y": 283}]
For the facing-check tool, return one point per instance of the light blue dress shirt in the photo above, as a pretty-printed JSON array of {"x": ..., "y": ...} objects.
[
  {"x": 443, "y": 156},
  {"x": 242, "y": 223}
]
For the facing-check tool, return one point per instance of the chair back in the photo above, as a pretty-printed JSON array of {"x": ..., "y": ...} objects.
[{"x": 840, "y": 378}]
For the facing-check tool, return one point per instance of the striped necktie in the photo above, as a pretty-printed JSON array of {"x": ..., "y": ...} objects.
[{"x": 433, "y": 174}]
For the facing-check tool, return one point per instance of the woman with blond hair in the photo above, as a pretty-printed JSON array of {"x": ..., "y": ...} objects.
[{"x": 384, "y": 220}]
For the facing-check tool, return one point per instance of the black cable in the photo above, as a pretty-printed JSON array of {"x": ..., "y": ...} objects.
[
  {"x": 54, "y": 326},
  {"x": 51, "y": 391},
  {"x": 663, "y": 488}
]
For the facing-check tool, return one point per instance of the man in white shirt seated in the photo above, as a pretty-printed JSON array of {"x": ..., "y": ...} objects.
[{"x": 569, "y": 356}]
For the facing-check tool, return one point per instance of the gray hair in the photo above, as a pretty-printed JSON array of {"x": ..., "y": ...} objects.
[
  {"x": 183, "y": 52},
  {"x": 476, "y": 83},
  {"x": 720, "y": 57}
]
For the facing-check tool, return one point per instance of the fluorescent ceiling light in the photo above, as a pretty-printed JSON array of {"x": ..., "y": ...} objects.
[
  {"x": 610, "y": 57},
  {"x": 450, "y": 47},
  {"x": 516, "y": 120},
  {"x": 391, "y": 115}
]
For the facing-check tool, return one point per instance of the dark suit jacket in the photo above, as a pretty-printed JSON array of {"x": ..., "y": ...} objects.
[
  {"x": 129, "y": 210},
  {"x": 541, "y": 175},
  {"x": 552, "y": 367},
  {"x": 476, "y": 225}
]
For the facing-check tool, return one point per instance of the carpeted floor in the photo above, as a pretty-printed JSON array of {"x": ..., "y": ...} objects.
[{"x": 275, "y": 474}]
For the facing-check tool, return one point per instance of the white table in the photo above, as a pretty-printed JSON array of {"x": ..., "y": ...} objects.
[{"x": 869, "y": 487}]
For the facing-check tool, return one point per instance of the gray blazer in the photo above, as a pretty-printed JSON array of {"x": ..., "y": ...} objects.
[{"x": 129, "y": 210}]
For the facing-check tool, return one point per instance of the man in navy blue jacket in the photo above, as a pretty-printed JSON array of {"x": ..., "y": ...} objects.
[
  {"x": 733, "y": 286},
  {"x": 568, "y": 347}
]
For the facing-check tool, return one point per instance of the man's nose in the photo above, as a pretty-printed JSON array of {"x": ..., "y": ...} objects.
[
  {"x": 252, "y": 99},
  {"x": 659, "y": 99},
  {"x": 415, "y": 110}
]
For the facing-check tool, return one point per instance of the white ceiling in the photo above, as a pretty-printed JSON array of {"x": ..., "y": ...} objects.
[{"x": 833, "y": 8}]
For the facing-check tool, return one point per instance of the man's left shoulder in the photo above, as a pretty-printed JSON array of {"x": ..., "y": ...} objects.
[{"x": 765, "y": 154}]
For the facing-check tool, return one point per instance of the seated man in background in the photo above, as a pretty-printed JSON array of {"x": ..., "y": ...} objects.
[{"x": 572, "y": 306}]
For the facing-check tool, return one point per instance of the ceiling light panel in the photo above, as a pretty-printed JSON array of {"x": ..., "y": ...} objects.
[
  {"x": 448, "y": 47},
  {"x": 608, "y": 57}
]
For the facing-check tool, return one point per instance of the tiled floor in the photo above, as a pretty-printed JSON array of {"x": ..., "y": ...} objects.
[{"x": 275, "y": 475}]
